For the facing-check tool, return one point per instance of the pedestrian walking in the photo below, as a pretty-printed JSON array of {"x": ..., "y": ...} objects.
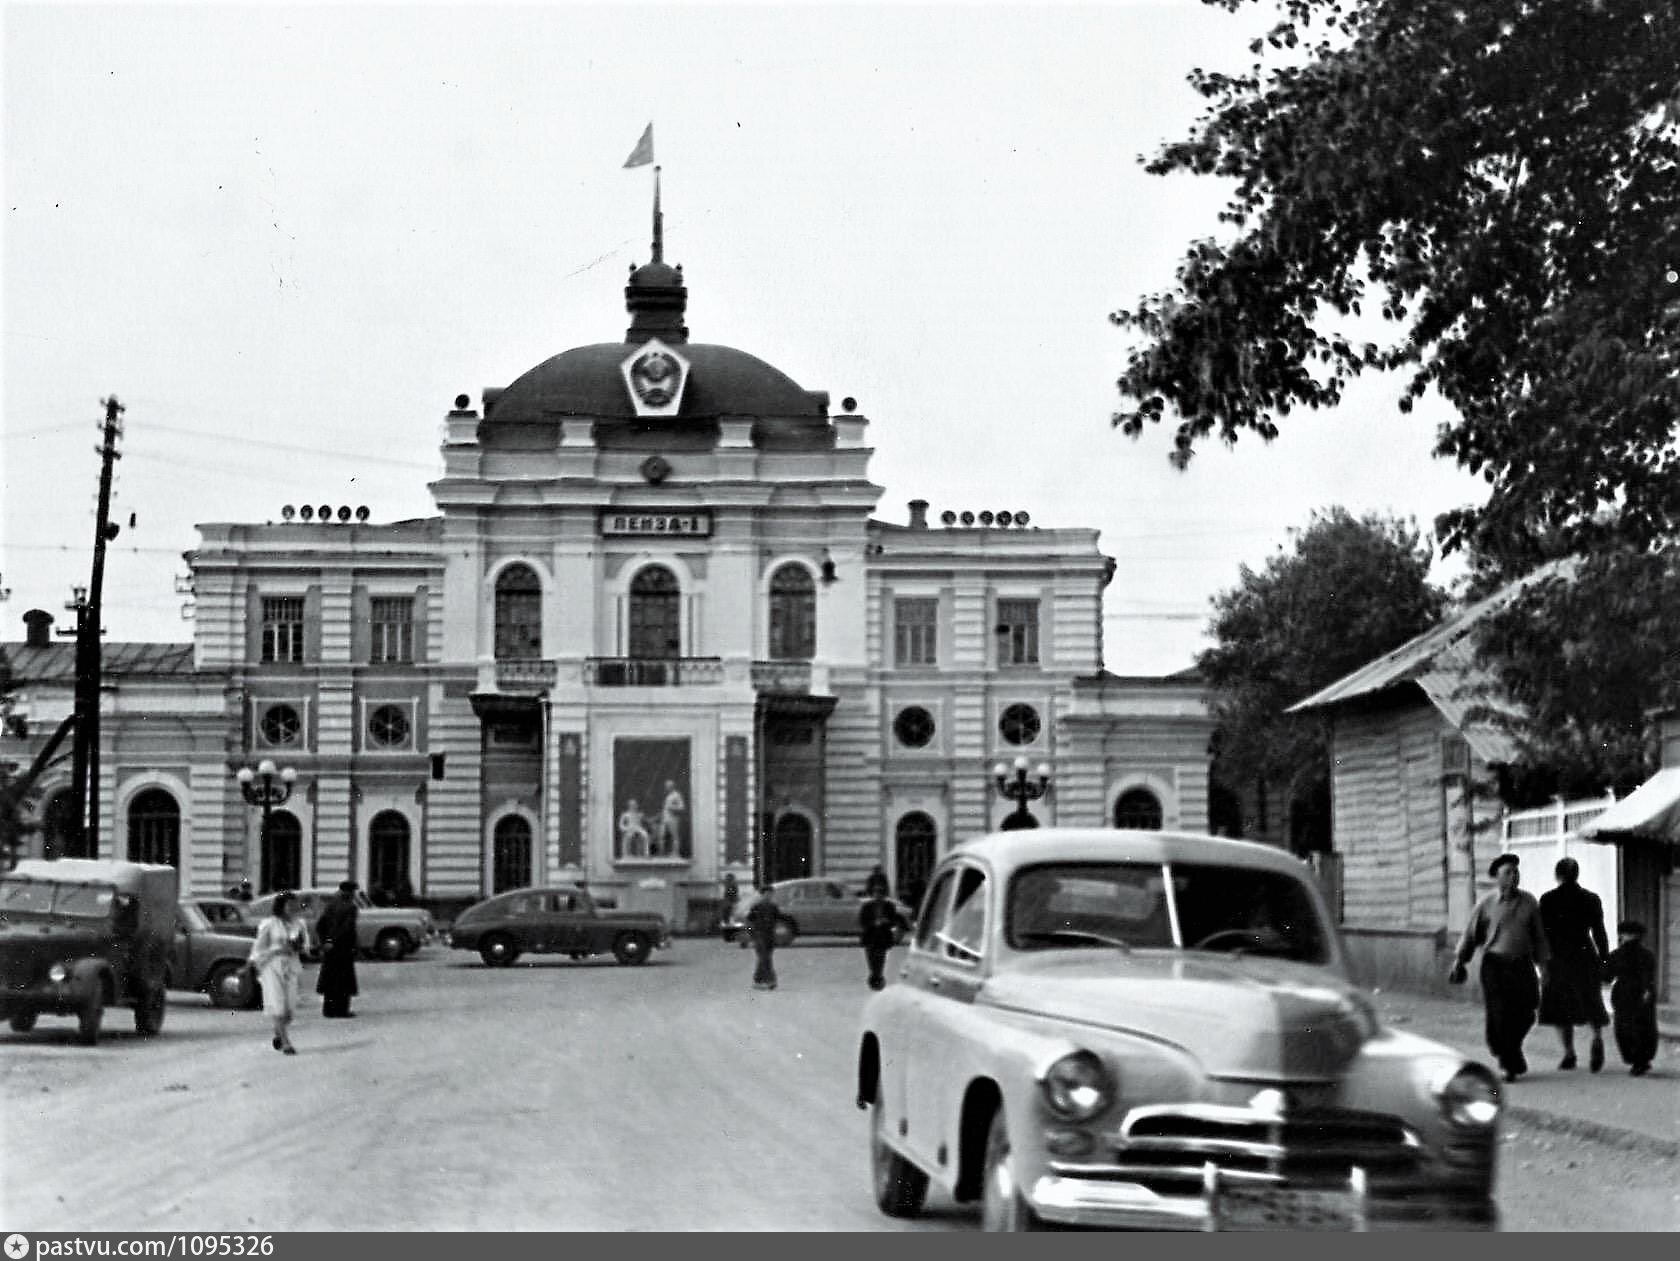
[
  {"x": 336, "y": 982},
  {"x": 761, "y": 928},
  {"x": 274, "y": 956},
  {"x": 242, "y": 892},
  {"x": 1573, "y": 921},
  {"x": 1632, "y": 970},
  {"x": 879, "y": 924},
  {"x": 1506, "y": 926},
  {"x": 729, "y": 898}
]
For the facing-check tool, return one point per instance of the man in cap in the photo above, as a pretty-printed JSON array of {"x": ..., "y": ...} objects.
[
  {"x": 336, "y": 983},
  {"x": 1506, "y": 926}
]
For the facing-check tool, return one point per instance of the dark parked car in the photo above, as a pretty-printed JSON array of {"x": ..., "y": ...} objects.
[
  {"x": 562, "y": 919},
  {"x": 210, "y": 958},
  {"x": 82, "y": 934},
  {"x": 811, "y": 906}
]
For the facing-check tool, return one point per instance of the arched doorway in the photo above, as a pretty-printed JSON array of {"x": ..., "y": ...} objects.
[
  {"x": 1139, "y": 810},
  {"x": 154, "y": 828},
  {"x": 655, "y": 614},
  {"x": 790, "y": 848},
  {"x": 388, "y": 854},
  {"x": 282, "y": 852},
  {"x": 1225, "y": 815},
  {"x": 59, "y": 837},
  {"x": 510, "y": 854},
  {"x": 915, "y": 848}
]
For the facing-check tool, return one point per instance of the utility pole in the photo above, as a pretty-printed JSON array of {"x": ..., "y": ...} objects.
[{"x": 84, "y": 765}]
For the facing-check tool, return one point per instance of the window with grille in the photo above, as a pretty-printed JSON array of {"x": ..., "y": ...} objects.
[
  {"x": 518, "y": 613},
  {"x": 1019, "y": 724},
  {"x": 793, "y": 614},
  {"x": 393, "y": 629},
  {"x": 282, "y": 628},
  {"x": 913, "y": 726},
  {"x": 916, "y": 631},
  {"x": 1017, "y": 632},
  {"x": 154, "y": 828},
  {"x": 388, "y": 727},
  {"x": 655, "y": 614},
  {"x": 1138, "y": 809},
  {"x": 281, "y": 725}
]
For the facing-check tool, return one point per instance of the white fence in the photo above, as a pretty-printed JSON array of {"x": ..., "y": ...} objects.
[{"x": 1542, "y": 836}]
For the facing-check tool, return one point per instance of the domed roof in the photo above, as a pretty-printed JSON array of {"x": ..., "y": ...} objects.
[{"x": 587, "y": 381}]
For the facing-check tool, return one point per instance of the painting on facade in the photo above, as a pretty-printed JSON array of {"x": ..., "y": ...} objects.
[{"x": 651, "y": 799}]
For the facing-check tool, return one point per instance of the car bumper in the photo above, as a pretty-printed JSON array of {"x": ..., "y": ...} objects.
[
  {"x": 1108, "y": 1205},
  {"x": 55, "y": 998}
]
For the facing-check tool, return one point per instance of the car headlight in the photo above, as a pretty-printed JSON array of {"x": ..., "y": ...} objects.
[
  {"x": 58, "y": 974},
  {"x": 1077, "y": 1087},
  {"x": 1470, "y": 1098}
]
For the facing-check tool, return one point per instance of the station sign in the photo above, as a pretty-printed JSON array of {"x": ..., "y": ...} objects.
[{"x": 621, "y": 522}]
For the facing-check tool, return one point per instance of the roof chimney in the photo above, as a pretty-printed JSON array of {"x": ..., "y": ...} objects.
[
  {"x": 918, "y": 514},
  {"x": 39, "y": 629}
]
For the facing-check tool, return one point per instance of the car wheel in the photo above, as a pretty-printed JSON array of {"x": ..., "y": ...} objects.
[
  {"x": 1002, "y": 1206},
  {"x": 391, "y": 945},
  {"x": 900, "y": 1187},
  {"x": 149, "y": 1010},
  {"x": 632, "y": 948},
  {"x": 498, "y": 950},
  {"x": 23, "y": 1021},
  {"x": 230, "y": 985},
  {"x": 785, "y": 931},
  {"x": 88, "y": 1018}
]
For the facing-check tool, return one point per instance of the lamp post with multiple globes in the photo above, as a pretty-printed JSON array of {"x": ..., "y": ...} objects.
[
  {"x": 1021, "y": 786},
  {"x": 257, "y": 784}
]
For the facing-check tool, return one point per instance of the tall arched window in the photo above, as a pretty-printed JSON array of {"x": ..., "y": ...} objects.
[
  {"x": 518, "y": 613},
  {"x": 510, "y": 854},
  {"x": 1139, "y": 810},
  {"x": 790, "y": 849},
  {"x": 154, "y": 828},
  {"x": 388, "y": 851},
  {"x": 793, "y": 614},
  {"x": 655, "y": 614},
  {"x": 282, "y": 852},
  {"x": 916, "y": 849}
]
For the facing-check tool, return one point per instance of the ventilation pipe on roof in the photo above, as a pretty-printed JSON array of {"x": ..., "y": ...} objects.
[
  {"x": 38, "y": 629},
  {"x": 918, "y": 514}
]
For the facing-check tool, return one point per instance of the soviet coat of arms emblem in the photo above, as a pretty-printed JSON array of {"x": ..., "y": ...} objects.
[{"x": 656, "y": 375}]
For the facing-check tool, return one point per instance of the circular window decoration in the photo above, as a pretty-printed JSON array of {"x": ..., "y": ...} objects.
[
  {"x": 913, "y": 726},
  {"x": 388, "y": 727},
  {"x": 1019, "y": 724},
  {"x": 281, "y": 725}
]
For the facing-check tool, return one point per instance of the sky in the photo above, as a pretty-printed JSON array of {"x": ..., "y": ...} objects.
[{"x": 287, "y": 237}]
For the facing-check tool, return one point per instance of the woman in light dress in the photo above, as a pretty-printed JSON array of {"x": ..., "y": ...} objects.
[{"x": 275, "y": 958}]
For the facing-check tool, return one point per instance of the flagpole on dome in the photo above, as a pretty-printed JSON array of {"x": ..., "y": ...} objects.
[{"x": 658, "y": 222}]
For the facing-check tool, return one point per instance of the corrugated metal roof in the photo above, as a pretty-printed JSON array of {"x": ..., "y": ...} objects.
[{"x": 56, "y": 662}]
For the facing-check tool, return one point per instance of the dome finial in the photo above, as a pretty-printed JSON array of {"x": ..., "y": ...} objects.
[{"x": 658, "y": 222}]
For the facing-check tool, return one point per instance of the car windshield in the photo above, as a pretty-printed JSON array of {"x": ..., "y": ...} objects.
[
  {"x": 47, "y": 897},
  {"x": 1241, "y": 910}
]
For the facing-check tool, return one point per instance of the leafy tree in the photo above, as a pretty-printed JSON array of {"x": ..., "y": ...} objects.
[
  {"x": 1499, "y": 179},
  {"x": 1352, "y": 589}
]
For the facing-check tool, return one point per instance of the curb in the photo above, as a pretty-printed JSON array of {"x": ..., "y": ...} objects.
[{"x": 1613, "y": 1135}]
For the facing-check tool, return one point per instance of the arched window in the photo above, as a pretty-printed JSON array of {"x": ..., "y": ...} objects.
[
  {"x": 59, "y": 838},
  {"x": 916, "y": 846},
  {"x": 518, "y": 613},
  {"x": 388, "y": 852},
  {"x": 790, "y": 849},
  {"x": 154, "y": 828},
  {"x": 655, "y": 614},
  {"x": 510, "y": 854},
  {"x": 1138, "y": 810},
  {"x": 282, "y": 852},
  {"x": 793, "y": 614}
]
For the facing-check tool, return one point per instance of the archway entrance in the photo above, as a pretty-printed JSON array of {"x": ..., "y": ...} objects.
[
  {"x": 915, "y": 850},
  {"x": 388, "y": 855},
  {"x": 282, "y": 852},
  {"x": 1139, "y": 810},
  {"x": 154, "y": 828},
  {"x": 790, "y": 848},
  {"x": 59, "y": 838},
  {"x": 510, "y": 855}
]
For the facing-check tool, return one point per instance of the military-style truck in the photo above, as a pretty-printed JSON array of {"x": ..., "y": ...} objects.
[{"x": 78, "y": 935}]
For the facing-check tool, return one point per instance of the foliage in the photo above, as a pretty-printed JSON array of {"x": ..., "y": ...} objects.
[
  {"x": 1351, "y": 590},
  {"x": 1499, "y": 180},
  {"x": 1586, "y": 655}
]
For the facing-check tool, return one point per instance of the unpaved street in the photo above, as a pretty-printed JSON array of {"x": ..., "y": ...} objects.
[{"x": 555, "y": 1095}]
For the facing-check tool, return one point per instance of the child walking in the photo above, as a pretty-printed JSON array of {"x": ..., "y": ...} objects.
[{"x": 1632, "y": 970}]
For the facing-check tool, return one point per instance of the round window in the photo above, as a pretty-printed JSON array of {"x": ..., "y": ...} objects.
[
  {"x": 388, "y": 726},
  {"x": 913, "y": 726},
  {"x": 1019, "y": 724},
  {"x": 281, "y": 725}
]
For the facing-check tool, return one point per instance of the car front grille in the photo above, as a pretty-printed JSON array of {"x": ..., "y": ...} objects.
[{"x": 1168, "y": 1148}]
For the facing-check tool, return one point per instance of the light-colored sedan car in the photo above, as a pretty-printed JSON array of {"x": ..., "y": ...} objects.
[
  {"x": 384, "y": 932},
  {"x": 810, "y": 906},
  {"x": 1156, "y": 1030}
]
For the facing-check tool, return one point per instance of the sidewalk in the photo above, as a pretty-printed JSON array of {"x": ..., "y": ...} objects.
[{"x": 1640, "y": 1112}]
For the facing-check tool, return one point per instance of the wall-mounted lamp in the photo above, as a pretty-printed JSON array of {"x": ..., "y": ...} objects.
[{"x": 829, "y": 577}]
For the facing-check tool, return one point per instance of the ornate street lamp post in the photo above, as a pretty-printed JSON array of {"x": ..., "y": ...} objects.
[
  {"x": 257, "y": 786},
  {"x": 1020, "y": 787}
]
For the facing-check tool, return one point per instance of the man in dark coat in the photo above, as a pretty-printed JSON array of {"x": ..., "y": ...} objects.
[
  {"x": 761, "y": 928},
  {"x": 1632, "y": 970},
  {"x": 336, "y": 928},
  {"x": 1506, "y": 925},
  {"x": 879, "y": 924},
  {"x": 1573, "y": 919}
]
